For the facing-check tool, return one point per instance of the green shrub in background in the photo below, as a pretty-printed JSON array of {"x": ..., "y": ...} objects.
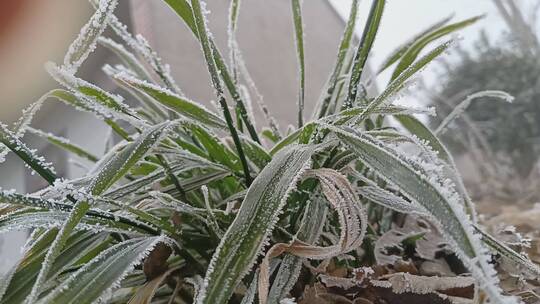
[
  {"x": 174, "y": 214},
  {"x": 501, "y": 67}
]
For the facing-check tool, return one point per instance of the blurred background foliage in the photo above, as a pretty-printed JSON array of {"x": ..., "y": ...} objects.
[{"x": 500, "y": 140}]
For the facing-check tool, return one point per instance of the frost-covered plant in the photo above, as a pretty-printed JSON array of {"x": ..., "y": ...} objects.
[{"x": 192, "y": 206}]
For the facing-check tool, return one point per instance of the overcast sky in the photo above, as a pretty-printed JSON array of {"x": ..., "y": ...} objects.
[{"x": 404, "y": 18}]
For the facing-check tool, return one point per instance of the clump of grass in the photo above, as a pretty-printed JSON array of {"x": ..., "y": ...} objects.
[{"x": 174, "y": 214}]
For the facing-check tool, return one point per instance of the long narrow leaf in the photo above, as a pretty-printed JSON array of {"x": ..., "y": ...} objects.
[
  {"x": 245, "y": 237},
  {"x": 414, "y": 50},
  {"x": 445, "y": 208},
  {"x": 299, "y": 41},
  {"x": 90, "y": 282},
  {"x": 86, "y": 41},
  {"x": 344, "y": 46},
  {"x": 366, "y": 42},
  {"x": 64, "y": 144},
  {"x": 37, "y": 163},
  {"x": 169, "y": 99},
  {"x": 113, "y": 170},
  {"x": 200, "y": 21}
]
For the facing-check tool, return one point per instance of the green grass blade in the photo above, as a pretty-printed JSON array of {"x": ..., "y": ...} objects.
[
  {"x": 344, "y": 46},
  {"x": 26, "y": 220},
  {"x": 11, "y": 198},
  {"x": 122, "y": 162},
  {"x": 184, "y": 10},
  {"x": 19, "y": 127},
  {"x": 217, "y": 151},
  {"x": 398, "y": 53},
  {"x": 80, "y": 247},
  {"x": 111, "y": 171},
  {"x": 397, "y": 84},
  {"x": 112, "y": 105},
  {"x": 86, "y": 41},
  {"x": 172, "y": 101},
  {"x": 443, "y": 206},
  {"x": 234, "y": 9},
  {"x": 152, "y": 108},
  {"x": 64, "y": 144},
  {"x": 420, "y": 130},
  {"x": 5, "y": 280},
  {"x": 37, "y": 163},
  {"x": 508, "y": 253},
  {"x": 200, "y": 21},
  {"x": 256, "y": 153},
  {"x": 414, "y": 50},
  {"x": 126, "y": 57},
  {"x": 90, "y": 282},
  {"x": 299, "y": 41},
  {"x": 258, "y": 214},
  {"x": 366, "y": 42}
]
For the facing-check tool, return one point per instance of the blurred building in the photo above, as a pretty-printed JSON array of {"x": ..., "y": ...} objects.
[{"x": 265, "y": 35}]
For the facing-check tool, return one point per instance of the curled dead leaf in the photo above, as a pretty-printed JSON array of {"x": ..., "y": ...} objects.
[{"x": 352, "y": 218}]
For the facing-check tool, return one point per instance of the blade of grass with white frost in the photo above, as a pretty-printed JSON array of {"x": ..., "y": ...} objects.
[
  {"x": 184, "y": 10},
  {"x": 372, "y": 192},
  {"x": 414, "y": 50},
  {"x": 344, "y": 46},
  {"x": 420, "y": 130},
  {"x": 509, "y": 254},
  {"x": 352, "y": 220},
  {"x": 366, "y": 42},
  {"x": 146, "y": 293},
  {"x": 203, "y": 34},
  {"x": 397, "y": 84},
  {"x": 398, "y": 53},
  {"x": 344, "y": 116},
  {"x": 169, "y": 99},
  {"x": 5, "y": 280},
  {"x": 82, "y": 103},
  {"x": 152, "y": 107},
  {"x": 102, "y": 273},
  {"x": 390, "y": 109},
  {"x": 126, "y": 57},
  {"x": 187, "y": 184},
  {"x": 444, "y": 208},
  {"x": 147, "y": 180},
  {"x": 112, "y": 104},
  {"x": 289, "y": 269},
  {"x": 141, "y": 46},
  {"x": 256, "y": 153},
  {"x": 462, "y": 106},
  {"x": 37, "y": 163},
  {"x": 299, "y": 41},
  {"x": 80, "y": 247},
  {"x": 19, "y": 127},
  {"x": 65, "y": 144},
  {"x": 256, "y": 218},
  {"x": 387, "y": 199},
  {"x": 85, "y": 43},
  {"x": 12, "y": 198},
  {"x": 234, "y": 9},
  {"x": 112, "y": 171},
  {"x": 25, "y": 220}
]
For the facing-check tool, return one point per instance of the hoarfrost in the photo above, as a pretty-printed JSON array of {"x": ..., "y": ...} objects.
[
  {"x": 85, "y": 43},
  {"x": 462, "y": 106}
]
